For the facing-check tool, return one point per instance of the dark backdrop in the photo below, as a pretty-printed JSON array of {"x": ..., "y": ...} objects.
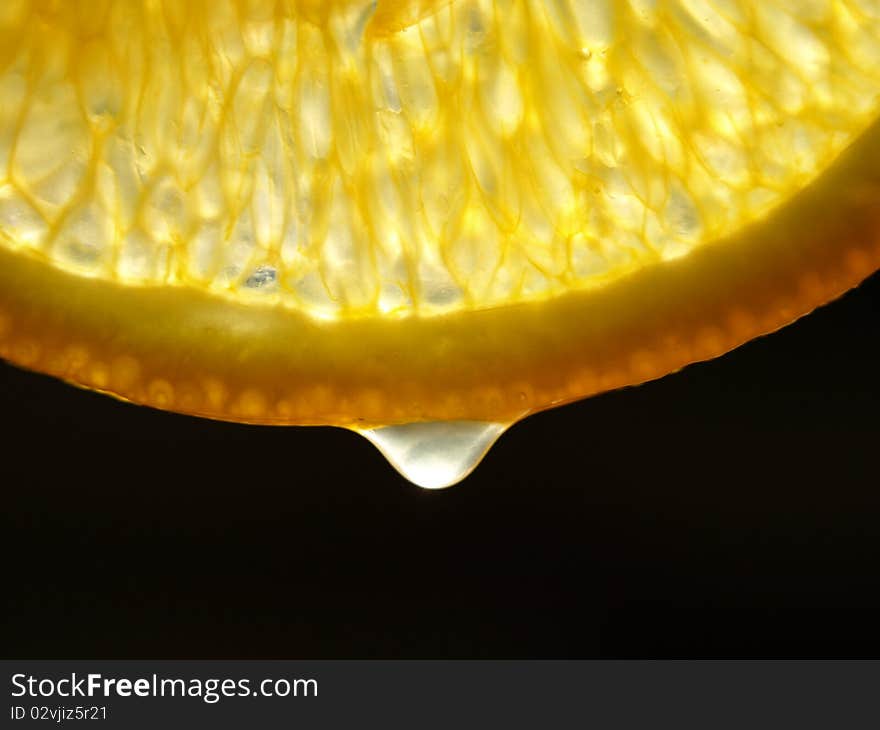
[{"x": 732, "y": 509}]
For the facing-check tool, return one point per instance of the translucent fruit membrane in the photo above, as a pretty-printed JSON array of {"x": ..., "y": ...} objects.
[{"x": 344, "y": 162}]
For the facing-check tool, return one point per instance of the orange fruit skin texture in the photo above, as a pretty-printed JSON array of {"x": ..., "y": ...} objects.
[{"x": 187, "y": 350}]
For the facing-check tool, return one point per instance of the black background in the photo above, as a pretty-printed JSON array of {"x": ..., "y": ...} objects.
[{"x": 732, "y": 509}]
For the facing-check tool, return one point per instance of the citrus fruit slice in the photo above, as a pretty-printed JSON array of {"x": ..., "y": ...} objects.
[{"x": 369, "y": 214}]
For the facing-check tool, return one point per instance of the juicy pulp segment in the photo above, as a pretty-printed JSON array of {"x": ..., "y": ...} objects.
[{"x": 493, "y": 152}]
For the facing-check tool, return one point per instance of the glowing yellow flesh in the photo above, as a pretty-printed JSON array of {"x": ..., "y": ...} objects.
[
  {"x": 492, "y": 152},
  {"x": 335, "y": 212}
]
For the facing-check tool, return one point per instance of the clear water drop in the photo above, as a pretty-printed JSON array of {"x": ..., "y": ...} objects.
[{"x": 436, "y": 454}]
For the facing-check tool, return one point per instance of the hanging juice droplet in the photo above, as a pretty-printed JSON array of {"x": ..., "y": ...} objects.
[{"x": 437, "y": 454}]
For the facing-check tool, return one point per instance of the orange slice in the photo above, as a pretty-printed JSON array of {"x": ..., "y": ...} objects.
[{"x": 366, "y": 214}]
